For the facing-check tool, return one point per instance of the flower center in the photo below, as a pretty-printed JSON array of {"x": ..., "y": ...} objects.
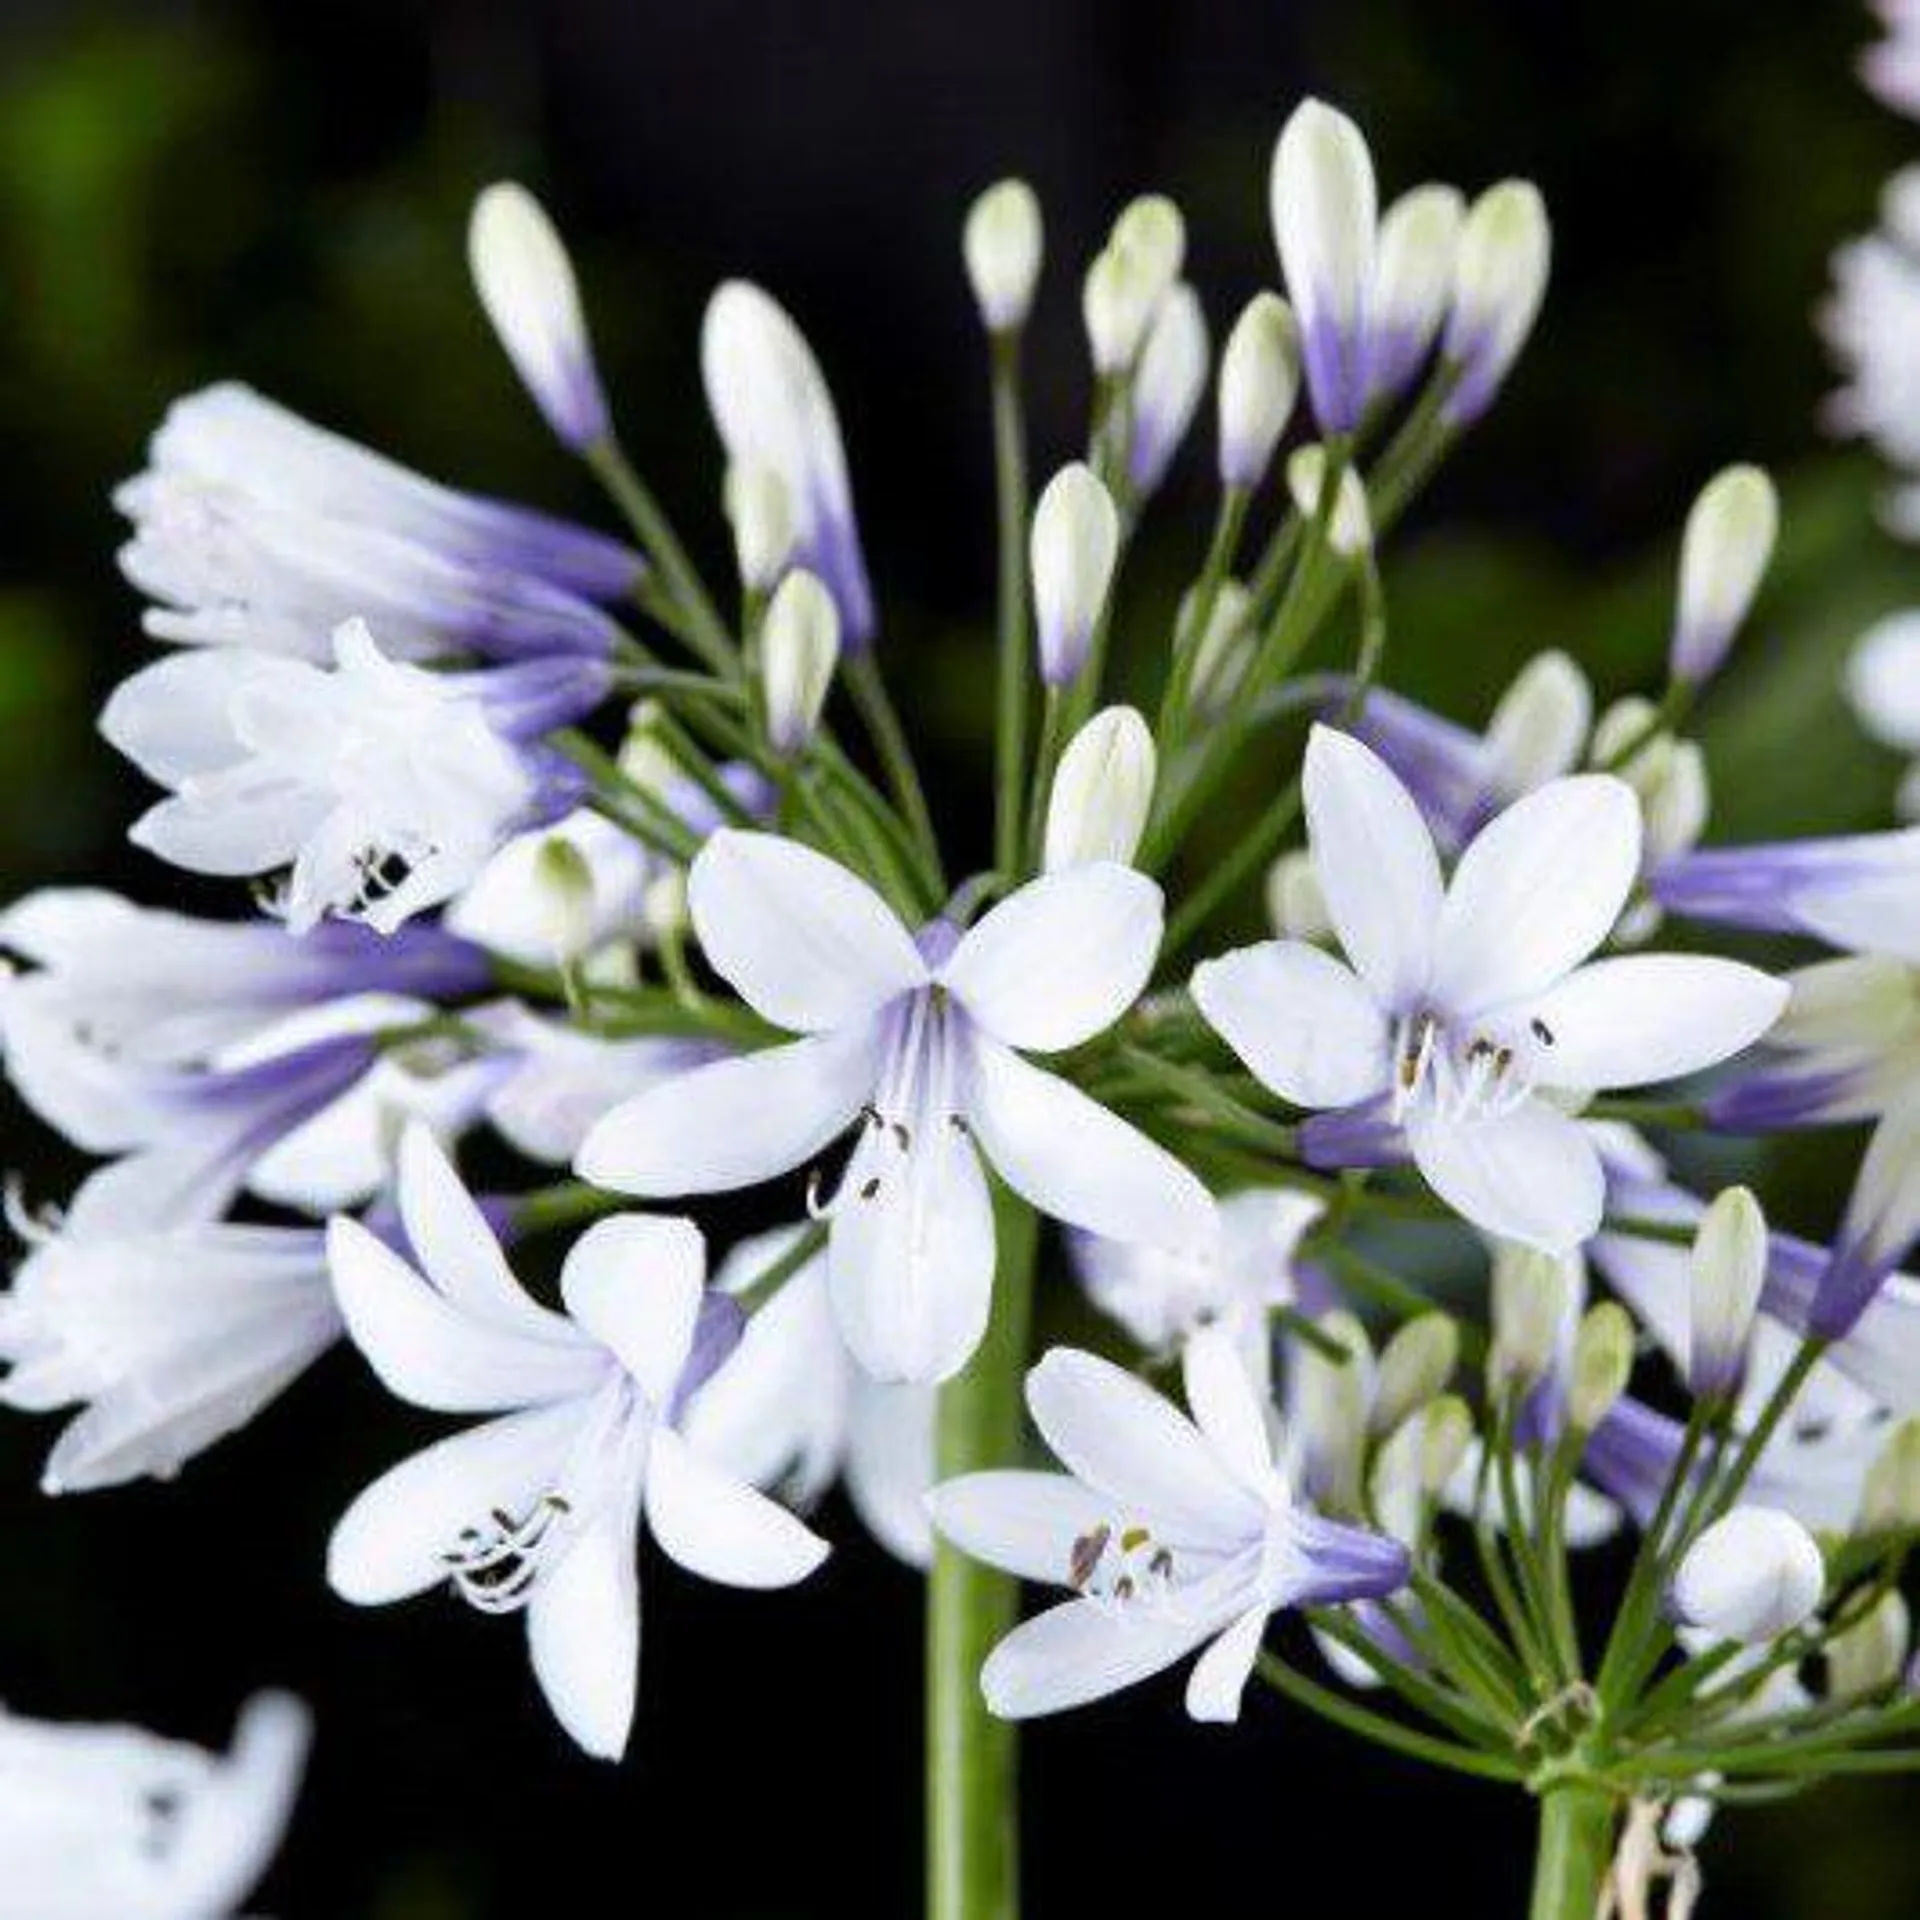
[
  {"x": 1122, "y": 1567},
  {"x": 1461, "y": 1073},
  {"x": 496, "y": 1565}
]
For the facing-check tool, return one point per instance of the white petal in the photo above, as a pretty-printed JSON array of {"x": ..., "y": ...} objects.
[
  {"x": 173, "y": 720},
  {"x": 1655, "y": 1016},
  {"x": 634, "y": 1283},
  {"x": 1220, "y": 1675},
  {"x": 1752, "y": 1576},
  {"x": 583, "y": 1633},
  {"x": 1114, "y": 1432},
  {"x": 911, "y": 1267},
  {"x": 1023, "y": 1523},
  {"x": 1376, "y": 864},
  {"x": 1073, "y": 1159},
  {"x": 1081, "y": 1651},
  {"x": 1530, "y": 1175},
  {"x": 428, "y": 1351},
  {"x": 736, "y": 1122},
  {"x": 392, "y": 1541},
  {"x": 889, "y": 1466},
  {"x": 1539, "y": 888},
  {"x": 1060, "y": 960},
  {"x": 1225, "y": 1406},
  {"x": 805, "y": 943},
  {"x": 1883, "y": 680},
  {"x": 721, "y": 1528},
  {"x": 1307, "y": 1026}
]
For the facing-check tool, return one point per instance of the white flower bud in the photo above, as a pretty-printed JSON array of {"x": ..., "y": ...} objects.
[
  {"x": 1130, "y": 278},
  {"x": 1167, "y": 387},
  {"x": 1446, "y": 1432},
  {"x": 1325, "y": 212},
  {"x": 1395, "y": 1482},
  {"x": 1074, "y": 544},
  {"x": 1868, "y": 1001},
  {"x": 799, "y": 648},
  {"x": 563, "y": 883},
  {"x": 1296, "y": 902},
  {"x": 1540, "y": 725},
  {"x": 761, "y": 512},
  {"x": 1102, "y": 792},
  {"x": 1002, "y": 245},
  {"x": 1623, "y": 724},
  {"x": 1723, "y": 555},
  {"x": 1412, "y": 283},
  {"x": 1674, "y": 807},
  {"x": 1328, "y": 1403},
  {"x": 664, "y": 906},
  {"x": 1868, "y": 1657},
  {"x": 526, "y": 283},
  {"x": 643, "y": 759},
  {"x": 1415, "y": 1365},
  {"x": 1728, "y": 1268},
  {"x": 1602, "y": 1365},
  {"x": 1350, "y": 530},
  {"x": 1225, "y": 650},
  {"x": 1536, "y": 1298},
  {"x": 1890, "y": 1496},
  {"x": 1752, "y": 1576},
  {"x": 1499, "y": 280},
  {"x": 1259, "y": 382}
]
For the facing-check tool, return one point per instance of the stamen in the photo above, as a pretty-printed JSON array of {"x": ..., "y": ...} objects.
[{"x": 496, "y": 1567}]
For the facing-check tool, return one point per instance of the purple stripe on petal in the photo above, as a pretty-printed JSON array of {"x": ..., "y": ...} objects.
[
  {"x": 1631, "y": 1456},
  {"x": 1765, "y": 886},
  {"x": 833, "y": 552},
  {"x": 1345, "y": 1137},
  {"x": 534, "y": 697},
  {"x": 574, "y": 558},
  {"x": 560, "y": 786},
  {"x": 1774, "y": 1100},
  {"x": 716, "y": 1333},
  {"x": 1331, "y": 356},
  {"x": 1853, "y": 1275},
  {"x": 1446, "y": 767},
  {"x": 1346, "y": 1563}
]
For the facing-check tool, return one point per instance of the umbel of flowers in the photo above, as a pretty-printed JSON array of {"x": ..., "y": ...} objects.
[{"x": 548, "y": 837}]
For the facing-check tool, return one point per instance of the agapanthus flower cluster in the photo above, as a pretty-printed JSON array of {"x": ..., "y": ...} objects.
[{"x": 545, "y": 838}]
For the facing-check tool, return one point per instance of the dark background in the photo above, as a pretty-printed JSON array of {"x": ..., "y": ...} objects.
[{"x": 279, "y": 193}]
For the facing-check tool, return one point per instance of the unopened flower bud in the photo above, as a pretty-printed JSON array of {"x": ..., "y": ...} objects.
[
  {"x": 1499, "y": 280},
  {"x": 1752, "y": 1576},
  {"x": 1259, "y": 381},
  {"x": 1074, "y": 544},
  {"x": 1728, "y": 542},
  {"x": 1414, "y": 1366},
  {"x": 1102, "y": 792},
  {"x": 564, "y": 883},
  {"x": 1129, "y": 279},
  {"x": 526, "y": 283},
  {"x": 1674, "y": 808},
  {"x": 664, "y": 905},
  {"x": 1535, "y": 1298},
  {"x": 1394, "y": 1483},
  {"x": 799, "y": 646},
  {"x": 1224, "y": 651},
  {"x": 1329, "y": 1407},
  {"x": 1630, "y": 723},
  {"x": 761, "y": 512},
  {"x": 1350, "y": 527},
  {"x": 1296, "y": 903},
  {"x": 1540, "y": 725},
  {"x": 1447, "y": 1432},
  {"x": 1602, "y": 1365},
  {"x": 1412, "y": 283},
  {"x": 1167, "y": 387},
  {"x": 643, "y": 759},
  {"x": 1869, "y": 1657},
  {"x": 1325, "y": 213},
  {"x": 1728, "y": 1269},
  {"x": 1002, "y": 245},
  {"x": 1890, "y": 1497},
  {"x": 1867, "y": 1001}
]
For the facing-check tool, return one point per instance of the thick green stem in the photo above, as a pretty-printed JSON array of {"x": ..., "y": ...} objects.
[
  {"x": 1576, "y": 1847},
  {"x": 973, "y": 1870}
]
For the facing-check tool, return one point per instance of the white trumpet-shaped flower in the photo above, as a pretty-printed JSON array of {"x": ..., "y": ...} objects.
[
  {"x": 113, "y": 1820},
  {"x": 538, "y": 1509},
  {"x": 1171, "y": 1532},
  {"x": 918, "y": 1040},
  {"x": 1465, "y": 1006}
]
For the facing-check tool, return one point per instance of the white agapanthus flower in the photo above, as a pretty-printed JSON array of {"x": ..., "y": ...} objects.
[
  {"x": 99, "y": 1821},
  {"x": 1171, "y": 1532},
  {"x": 917, "y": 1038},
  {"x": 381, "y": 787},
  {"x": 538, "y": 1509},
  {"x": 1466, "y": 1010}
]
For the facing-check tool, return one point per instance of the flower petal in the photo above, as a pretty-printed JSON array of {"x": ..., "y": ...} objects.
[
  {"x": 1060, "y": 960},
  {"x": 736, "y": 1122},
  {"x": 805, "y": 943},
  {"x": 1023, "y": 1523},
  {"x": 889, "y": 1465},
  {"x": 721, "y": 1528},
  {"x": 1307, "y": 1026},
  {"x": 429, "y": 1351},
  {"x": 393, "y": 1540},
  {"x": 1539, "y": 888},
  {"x": 1376, "y": 864},
  {"x": 634, "y": 1283},
  {"x": 583, "y": 1633},
  {"x": 1114, "y": 1432},
  {"x": 1081, "y": 1651},
  {"x": 1530, "y": 1175},
  {"x": 1220, "y": 1675},
  {"x": 1654, "y": 1016},
  {"x": 1225, "y": 1405},
  {"x": 1073, "y": 1159}
]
